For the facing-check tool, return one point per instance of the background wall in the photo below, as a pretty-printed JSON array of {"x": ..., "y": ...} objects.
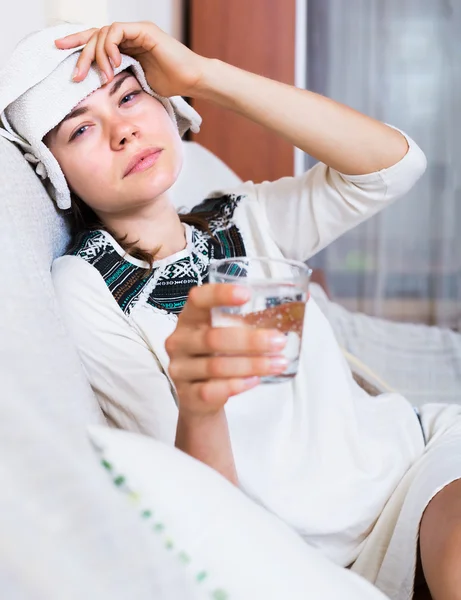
[
  {"x": 21, "y": 18},
  {"x": 167, "y": 14},
  {"x": 29, "y": 15}
]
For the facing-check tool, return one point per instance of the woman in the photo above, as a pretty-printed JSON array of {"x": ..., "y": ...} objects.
[{"x": 335, "y": 464}]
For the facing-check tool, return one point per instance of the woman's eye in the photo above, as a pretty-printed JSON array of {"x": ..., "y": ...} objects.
[
  {"x": 129, "y": 97},
  {"x": 80, "y": 131}
]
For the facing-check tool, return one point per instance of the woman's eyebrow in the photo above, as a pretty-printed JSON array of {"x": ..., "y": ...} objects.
[
  {"x": 118, "y": 84},
  {"x": 77, "y": 112}
]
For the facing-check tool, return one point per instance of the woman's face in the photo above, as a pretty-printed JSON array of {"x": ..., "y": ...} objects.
[{"x": 118, "y": 149}]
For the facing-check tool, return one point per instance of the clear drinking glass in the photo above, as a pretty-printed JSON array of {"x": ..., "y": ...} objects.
[{"x": 279, "y": 293}]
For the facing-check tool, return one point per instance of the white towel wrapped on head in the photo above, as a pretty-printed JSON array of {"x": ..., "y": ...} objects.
[{"x": 37, "y": 92}]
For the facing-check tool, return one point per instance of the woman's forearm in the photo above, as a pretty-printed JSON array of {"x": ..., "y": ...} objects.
[
  {"x": 337, "y": 135},
  {"x": 206, "y": 438}
]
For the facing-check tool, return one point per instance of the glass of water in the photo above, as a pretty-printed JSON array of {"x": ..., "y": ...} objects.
[{"x": 279, "y": 292}]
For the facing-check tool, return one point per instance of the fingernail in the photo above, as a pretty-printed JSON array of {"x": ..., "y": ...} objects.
[
  {"x": 104, "y": 78},
  {"x": 278, "y": 364},
  {"x": 250, "y": 382},
  {"x": 75, "y": 74},
  {"x": 240, "y": 293},
  {"x": 277, "y": 341}
]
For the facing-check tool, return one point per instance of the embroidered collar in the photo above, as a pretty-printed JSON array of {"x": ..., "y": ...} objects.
[{"x": 167, "y": 285}]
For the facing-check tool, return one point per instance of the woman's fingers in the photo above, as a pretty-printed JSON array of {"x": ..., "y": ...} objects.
[
  {"x": 214, "y": 393},
  {"x": 209, "y": 365},
  {"x": 225, "y": 367},
  {"x": 203, "y": 298},
  {"x": 97, "y": 48},
  {"x": 101, "y": 56},
  {"x": 75, "y": 39},
  {"x": 113, "y": 40},
  {"x": 86, "y": 57},
  {"x": 202, "y": 341}
]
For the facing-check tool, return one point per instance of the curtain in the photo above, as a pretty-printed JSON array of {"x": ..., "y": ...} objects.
[{"x": 398, "y": 61}]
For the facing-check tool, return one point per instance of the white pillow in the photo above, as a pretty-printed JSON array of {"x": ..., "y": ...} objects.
[
  {"x": 235, "y": 549},
  {"x": 202, "y": 173}
]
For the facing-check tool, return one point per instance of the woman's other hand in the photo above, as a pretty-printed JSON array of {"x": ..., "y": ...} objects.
[
  {"x": 171, "y": 68},
  {"x": 209, "y": 365}
]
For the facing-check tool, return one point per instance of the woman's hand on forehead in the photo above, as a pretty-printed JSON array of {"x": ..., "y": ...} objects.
[{"x": 171, "y": 69}]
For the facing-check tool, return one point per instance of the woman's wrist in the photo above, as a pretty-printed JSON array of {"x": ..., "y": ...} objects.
[
  {"x": 210, "y": 83},
  {"x": 205, "y": 436},
  {"x": 199, "y": 69},
  {"x": 199, "y": 418}
]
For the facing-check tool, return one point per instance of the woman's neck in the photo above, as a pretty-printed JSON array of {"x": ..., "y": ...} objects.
[{"x": 153, "y": 227}]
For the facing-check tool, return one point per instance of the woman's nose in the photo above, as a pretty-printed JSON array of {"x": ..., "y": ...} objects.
[{"x": 122, "y": 133}]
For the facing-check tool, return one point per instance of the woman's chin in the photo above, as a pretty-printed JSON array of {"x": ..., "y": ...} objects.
[{"x": 155, "y": 186}]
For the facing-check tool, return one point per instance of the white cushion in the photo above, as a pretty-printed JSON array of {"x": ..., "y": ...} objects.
[
  {"x": 202, "y": 173},
  {"x": 233, "y": 547},
  {"x": 64, "y": 531},
  {"x": 422, "y": 363}
]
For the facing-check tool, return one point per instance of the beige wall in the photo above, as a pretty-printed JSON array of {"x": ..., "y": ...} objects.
[
  {"x": 25, "y": 16},
  {"x": 19, "y": 19},
  {"x": 166, "y": 13},
  {"x": 93, "y": 12}
]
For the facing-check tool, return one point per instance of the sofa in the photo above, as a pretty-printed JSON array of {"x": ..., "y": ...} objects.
[{"x": 64, "y": 533}]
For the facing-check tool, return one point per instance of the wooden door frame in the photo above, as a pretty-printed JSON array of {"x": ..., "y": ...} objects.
[{"x": 211, "y": 23}]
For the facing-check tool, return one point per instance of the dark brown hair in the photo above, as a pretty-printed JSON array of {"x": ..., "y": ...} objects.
[{"x": 83, "y": 218}]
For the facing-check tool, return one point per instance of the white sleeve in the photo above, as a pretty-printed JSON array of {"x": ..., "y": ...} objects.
[
  {"x": 123, "y": 371},
  {"x": 308, "y": 212}
]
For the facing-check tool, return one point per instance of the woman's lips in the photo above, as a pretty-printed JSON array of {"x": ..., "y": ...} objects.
[{"x": 144, "y": 162}]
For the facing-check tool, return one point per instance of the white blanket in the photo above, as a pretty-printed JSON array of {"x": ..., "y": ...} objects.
[{"x": 422, "y": 363}]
